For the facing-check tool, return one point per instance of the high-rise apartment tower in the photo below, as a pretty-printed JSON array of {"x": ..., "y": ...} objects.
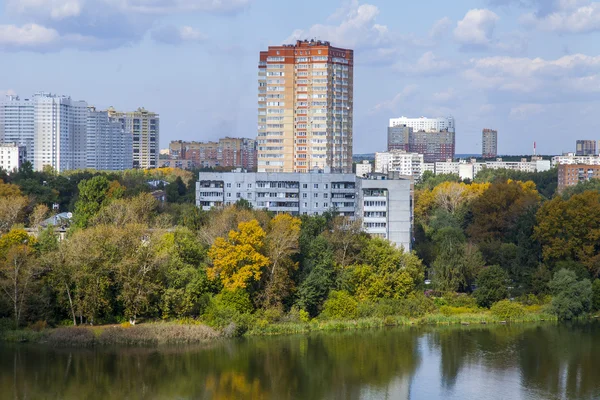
[
  {"x": 489, "y": 143},
  {"x": 145, "y": 127},
  {"x": 305, "y": 108},
  {"x": 432, "y": 137},
  {"x": 586, "y": 148}
]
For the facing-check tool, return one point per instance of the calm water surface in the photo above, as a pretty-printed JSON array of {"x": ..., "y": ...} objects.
[{"x": 501, "y": 362}]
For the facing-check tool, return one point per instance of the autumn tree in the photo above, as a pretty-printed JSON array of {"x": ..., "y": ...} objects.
[
  {"x": 238, "y": 260},
  {"x": 281, "y": 244},
  {"x": 497, "y": 210},
  {"x": 346, "y": 237},
  {"x": 94, "y": 193},
  {"x": 570, "y": 230},
  {"x": 17, "y": 269},
  {"x": 11, "y": 211}
]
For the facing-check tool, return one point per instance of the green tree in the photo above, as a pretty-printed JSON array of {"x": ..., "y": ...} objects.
[
  {"x": 93, "y": 194},
  {"x": 17, "y": 270},
  {"x": 571, "y": 298},
  {"x": 596, "y": 295},
  {"x": 340, "y": 305},
  {"x": 491, "y": 286},
  {"x": 457, "y": 263},
  {"x": 320, "y": 276},
  {"x": 176, "y": 191}
]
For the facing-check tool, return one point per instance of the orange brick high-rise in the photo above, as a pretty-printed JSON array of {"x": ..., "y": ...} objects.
[{"x": 305, "y": 108}]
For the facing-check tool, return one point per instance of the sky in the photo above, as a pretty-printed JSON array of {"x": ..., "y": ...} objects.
[{"x": 528, "y": 68}]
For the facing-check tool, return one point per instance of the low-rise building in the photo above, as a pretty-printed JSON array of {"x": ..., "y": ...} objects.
[
  {"x": 364, "y": 168},
  {"x": 572, "y": 174},
  {"x": 384, "y": 204},
  {"x": 406, "y": 164},
  {"x": 12, "y": 156},
  {"x": 468, "y": 169},
  {"x": 572, "y": 158}
]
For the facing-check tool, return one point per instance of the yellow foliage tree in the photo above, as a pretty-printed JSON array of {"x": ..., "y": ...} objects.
[
  {"x": 237, "y": 260},
  {"x": 451, "y": 196}
]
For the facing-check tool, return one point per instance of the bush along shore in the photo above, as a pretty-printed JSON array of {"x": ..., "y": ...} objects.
[{"x": 340, "y": 313}]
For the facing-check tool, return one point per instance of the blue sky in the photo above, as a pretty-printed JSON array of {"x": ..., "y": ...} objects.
[{"x": 529, "y": 68}]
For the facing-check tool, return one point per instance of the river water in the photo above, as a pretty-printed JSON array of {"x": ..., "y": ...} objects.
[{"x": 531, "y": 362}]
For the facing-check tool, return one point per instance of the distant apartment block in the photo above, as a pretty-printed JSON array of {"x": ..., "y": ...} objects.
[
  {"x": 572, "y": 174},
  {"x": 12, "y": 156},
  {"x": 571, "y": 158},
  {"x": 145, "y": 128},
  {"x": 364, "y": 168},
  {"x": 586, "y": 148},
  {"x": 468, "y": 169},
  {"x": 108, "y": 146},
  {"x": 17, "y": 123},
  {"x": 305, "y": 108},
  {"x": 383, "y": 203},
  {"x": 489, "y": 143},
  {"x": 405, "y": 164},
  {"x": 399, "y": 137},
  {"x": 227, "y": 152},
  {"x": 432, "y": 137}
]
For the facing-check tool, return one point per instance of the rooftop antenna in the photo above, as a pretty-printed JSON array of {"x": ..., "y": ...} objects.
[{"x": 534, "y": 149}]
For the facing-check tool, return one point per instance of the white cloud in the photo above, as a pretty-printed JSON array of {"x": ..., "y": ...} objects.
[
  {"x": 53, "y": 9},
  {"x": 357, "y": 30},
  {"x": 178, "y": 6},
  {"x": 525, "y": 111},
  {"x": 7, "y": 92},
  {"x": 427, "y": 65},
  {"x": 476, "y": 28},
  {"x": 567, "y": 19},
  {"x": 440, "y": 28},
  {"x": 445, "y": 96},
  {"x": 104, "y": 24},
  {"x": 391, "y": 105},
  {"x": 569, "y": 78},
  {"x": 30, "y": 36},
  {"x": 177, "y": 35}
]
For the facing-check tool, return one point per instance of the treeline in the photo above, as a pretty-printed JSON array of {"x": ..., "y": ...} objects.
[{"x": 127, "y": 257}]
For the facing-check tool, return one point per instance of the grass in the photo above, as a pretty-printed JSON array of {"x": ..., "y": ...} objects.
[{"x": 184, "y": 332}]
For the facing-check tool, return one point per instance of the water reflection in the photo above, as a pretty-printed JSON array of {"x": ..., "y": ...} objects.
[{"x": 522, "y": 362}]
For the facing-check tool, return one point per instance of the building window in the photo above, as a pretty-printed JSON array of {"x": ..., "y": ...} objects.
[
  {"x": 325, "y": 195},
  {"x": 306, "y": 205},
  {"x": 316, "y": 186},
  {"x": 316, "y": 205},
  {"x": 304, "y": 186},
  {"x": 316, "y": 195},
  {"x": 229, "y": 185},
  {"x": 238, "y": 195},
  {"x": 249, "y": 186},
  {"x": 239, "y": 185},
  {"x": 304, "y": 195},
  {"x": 228, "y": 194}
]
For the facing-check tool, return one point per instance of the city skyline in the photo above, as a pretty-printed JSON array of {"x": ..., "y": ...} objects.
[{"x": 529, "y": 69}]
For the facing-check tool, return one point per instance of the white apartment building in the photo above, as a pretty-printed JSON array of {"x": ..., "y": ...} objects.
[
  {"x": 407, "y": 164},
  {"x": 17, "y": 123},
  {"x": 60, "y": 129},
  {"x": 364, "y": 168},
  {"x": 12, "y": 156},
  {"x": 425, "y": 124},
  {"x": 468, "y": 169},
  {"x": 571, "y": 159},
  {"x": 384, "y": 205},
  {"x": 109, "y": 147}
]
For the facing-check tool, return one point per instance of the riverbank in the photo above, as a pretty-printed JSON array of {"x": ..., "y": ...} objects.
[{"x": 161, "y": 333}]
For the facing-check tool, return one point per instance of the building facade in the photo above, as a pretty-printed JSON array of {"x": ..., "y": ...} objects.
[
  {"x": 60, "y": 132},
  {"x": 364, "y": 168},
  {"x": 108, "y": 147},
  {"x": 12, "y": 156},
  {"x": 572, "y": 174},
  {"x": 489, "y": 143},
  {"x": 406, "y": 164},
  {"x": 571, "y": 158},
  {"x": 305, "y": 108},
  {"x": 586, "y": 148},
  {"x": 17, "y": 123},
  {"x": 384, "y": 205},
  {"x": 227, "y": 152},
  {"x": 468, "y": 169},
  {"x": 432, "y": 137},
  {"x": 145, "y": 128},
  {"x": 399, "y": 137}
]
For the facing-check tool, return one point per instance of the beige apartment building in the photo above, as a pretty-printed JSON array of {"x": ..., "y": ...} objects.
[
  {"x": 305, "y": 108},
  {"x": 145, "y": 127}
]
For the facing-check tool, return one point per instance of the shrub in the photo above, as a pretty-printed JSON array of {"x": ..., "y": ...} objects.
[
  {"x": 449, "y": 310},
  {"x": 415, "y": 306},
  {"x": 304, "y": 316},
  {"x": 596, "y": 294},
  {"x": 507, "y": 310},
  {"x": 572, "y": 298},
  {"x": 340, "y": 305},
  {"x": 238, "y": 300},
  {"x": 459, "y": 300},
  {"x": 491, "y": 286}
]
